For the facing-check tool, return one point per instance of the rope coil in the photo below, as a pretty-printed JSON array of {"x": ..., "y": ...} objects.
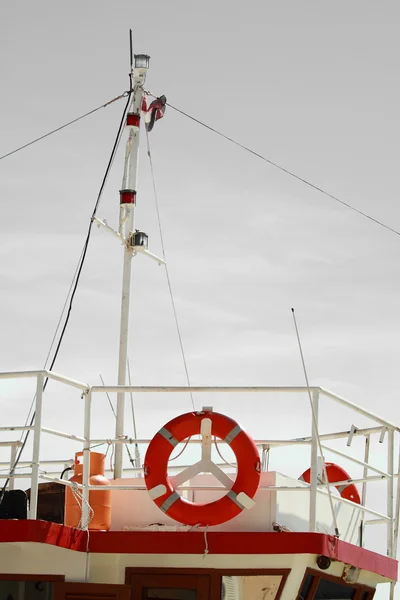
[{"x": 80, "y": 500}]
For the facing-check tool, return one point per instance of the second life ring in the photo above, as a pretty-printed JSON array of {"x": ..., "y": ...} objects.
[
  {"x": 334, "y": 474},
  {"x": 240, "y": 494}
]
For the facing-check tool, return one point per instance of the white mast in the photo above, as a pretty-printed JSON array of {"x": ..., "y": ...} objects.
[{"x": 126, "y": 230}]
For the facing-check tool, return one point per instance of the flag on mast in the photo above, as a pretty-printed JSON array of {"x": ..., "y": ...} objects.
[{"x": 154, "y": 112}]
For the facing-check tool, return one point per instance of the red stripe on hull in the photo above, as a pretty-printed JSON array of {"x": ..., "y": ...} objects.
[{"x": 192, "y": 542}]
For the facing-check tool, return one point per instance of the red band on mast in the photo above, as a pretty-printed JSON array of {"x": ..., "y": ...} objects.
[
  {"x": 132, "y": 120},
  {"x": 127, "y": 197}
]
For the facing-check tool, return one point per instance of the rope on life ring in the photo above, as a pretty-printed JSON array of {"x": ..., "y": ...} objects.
[
  {"x": 335, "y": 473},
  {"x": 162, "y": 489}
]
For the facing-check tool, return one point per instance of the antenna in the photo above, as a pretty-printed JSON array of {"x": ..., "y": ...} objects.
[
  {"x": 131, "y": 50},
  {"x": 315, "y": 423}
]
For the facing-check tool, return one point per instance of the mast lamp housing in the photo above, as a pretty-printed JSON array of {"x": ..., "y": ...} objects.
[
  {"x": 139, "y": 239},
  {"x": 142, "y": 62}
]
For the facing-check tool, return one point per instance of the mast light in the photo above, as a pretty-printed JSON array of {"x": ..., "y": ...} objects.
[{"x": 142, "y": 61}]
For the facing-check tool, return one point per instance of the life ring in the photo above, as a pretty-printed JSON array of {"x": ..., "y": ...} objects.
[
  {"x": 336, "y": 473},
  {"x": 240, "y": 494}
]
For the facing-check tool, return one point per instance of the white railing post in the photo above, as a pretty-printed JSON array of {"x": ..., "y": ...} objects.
[
  {"x": 314, "y": 463},
  {"x": 390, "y": 492},
  {"x": 13, "y": 456},
  {"x": 396, "y": 525},
  {"x": 86, "y": 461},
  {"x": 397, "y": 511},
  {"x": 364, "y": 487},
  {"x": 36, "y": 447}
]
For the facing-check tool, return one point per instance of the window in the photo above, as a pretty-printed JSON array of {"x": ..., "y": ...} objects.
[
  {"x": 205, "y": 584},
  {"x": 26, "y": 590},
  {"x": 308, "y": 581},
  {"x": 318, "y": 586},
  {"x": 330, "y": 590},
  {"x": 168, "y": 586},
  {"x": 169, "y": 593}
]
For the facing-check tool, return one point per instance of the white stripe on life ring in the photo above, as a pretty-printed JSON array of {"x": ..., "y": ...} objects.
[
  {"x": 169, "y": 502},
  {"x": 245, "y": 500},
  {"x": 233, "y": 433},
  {"x": 168, "y": 436},
  {"x": 157, "y": 491},
  {"x": 241, "y": 499}
]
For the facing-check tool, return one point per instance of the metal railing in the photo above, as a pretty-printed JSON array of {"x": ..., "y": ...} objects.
[{"x": 315, "y": 488}]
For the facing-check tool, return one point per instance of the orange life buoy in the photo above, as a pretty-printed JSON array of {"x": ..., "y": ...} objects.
[
  {"x": 161, "y": 489},
  {"x": 336, "y": 473}
]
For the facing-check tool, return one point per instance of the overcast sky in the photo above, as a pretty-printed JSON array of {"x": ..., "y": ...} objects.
[{"x": 312, "y": 86}]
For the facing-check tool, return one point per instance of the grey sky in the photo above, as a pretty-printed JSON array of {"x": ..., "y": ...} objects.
[{"x": 312, "y": 86}]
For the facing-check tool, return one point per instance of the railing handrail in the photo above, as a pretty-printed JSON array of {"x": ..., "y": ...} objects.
[{"x": 314, "y": 488}]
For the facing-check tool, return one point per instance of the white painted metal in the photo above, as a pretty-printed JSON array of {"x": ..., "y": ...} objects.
[
  {"x": 352, "y": 431},
  {"x": 13, "y": 444},
  {"x": 364, "y": 487},
  {"x": 18, "y": 476},
  {"x": 390, "y": 491},
  {"x": 213, "y": 488},
  {"x": 157, "y": 491},
  {"x": 172, "y": 467},
  {"x": 105, "y": 225},
  {"x": 13, "y": 455},
  {"x": 397, "y": 512},
  {"x": 378, "y": 517},
  {"x": 21, "y": 374},
  {"x": 344, "y": 434},
  {"x": 49, "y": 374},
  {"x": 245, "y": 500},
  {"x": 396, "y": 527},
  {"x": 355, "y": 460},
  {"x": 138, "y": 461},
  {"x": 358, "y": 409},
  {"x": 68, "y": 436},
  {"x": 220, "y": 475},
  {"x": 17, "y": 428},
  {"x": 126, "y": 229},
  {"x": 36, "y": 447},
  {"x": 206, "y": 440},
  {"x": 355, "y": 481},
  {"x": 199, "y": 388},
  {"x": 382, "y": 436},
  {"x": 375, "y": 522},
  {"x": 86, "y": 460},
  {"x": 350, "y": 503},
  {"x": 314, "y": 463},
  {"x": 145, "y": 252},
  {"x": 277, "y": 443},
  {"x": 187, "y": 474},
  {"x": 129, "y": 440}
]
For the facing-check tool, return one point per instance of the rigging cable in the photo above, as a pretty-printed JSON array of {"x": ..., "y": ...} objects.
[
  {"x": 137, "y": 452},
  {"x": 315, "y": 425},
  {"x": 54, "y": 337},
  {"x": 42, "y": 137},
  {"x": 76, "y": 276},
  {"x": 131, "y": 459},
  {"x": 277, "y": 166},
  {"x": 166, "y": 268}
]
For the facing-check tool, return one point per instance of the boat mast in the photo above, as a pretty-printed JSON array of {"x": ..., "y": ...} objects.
[{"x": 127, "y": 233}]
